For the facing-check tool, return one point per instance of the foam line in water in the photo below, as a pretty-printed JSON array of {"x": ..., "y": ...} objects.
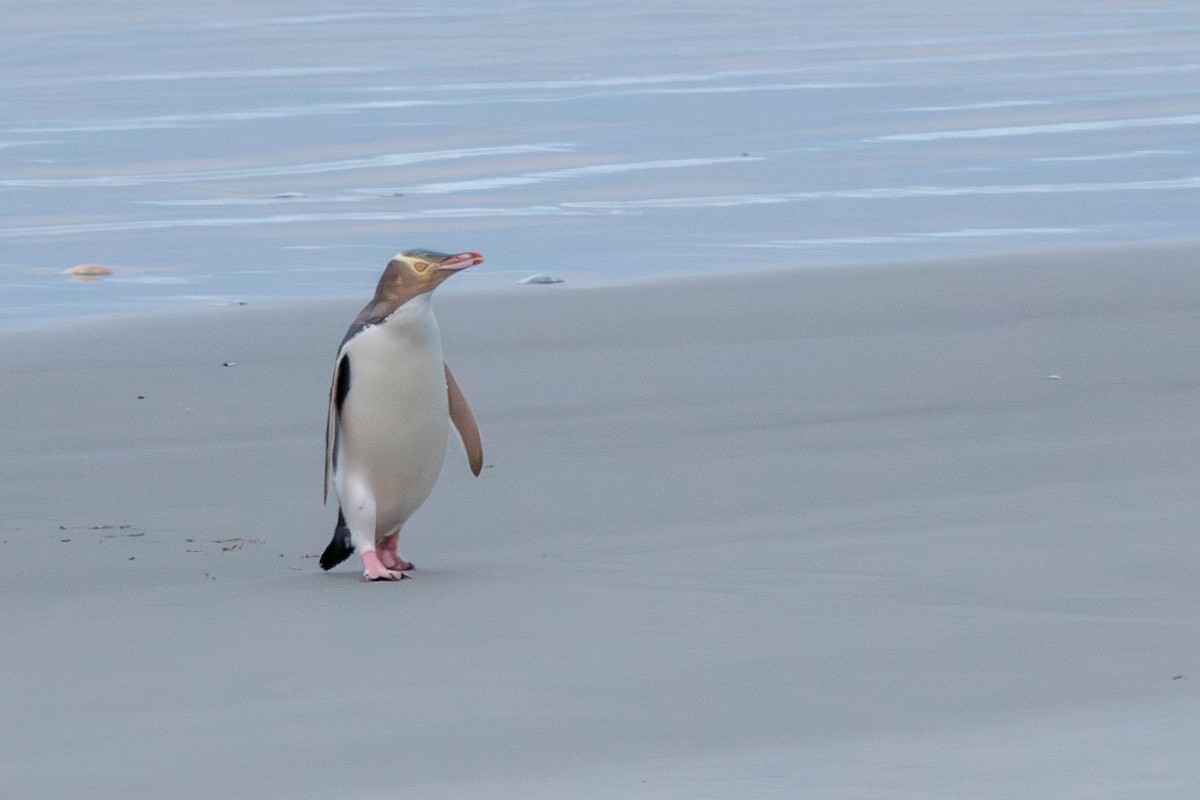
[
  {"x": 311, "y": 168},
  {"x": 890, "y": 193},
  {"x": 530, "y": 178},
  {"x": 1045, "y": 128},
  {"x": 76, "y": 229},
  {"x": 901, "y": 238}
]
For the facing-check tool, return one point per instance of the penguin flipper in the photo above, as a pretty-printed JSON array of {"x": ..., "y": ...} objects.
[
  {"x": 340, "y": 547},
  {"x": 464, "y": 423}
]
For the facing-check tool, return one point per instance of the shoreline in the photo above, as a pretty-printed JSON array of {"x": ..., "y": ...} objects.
[{"x": 1168, "y": 250}]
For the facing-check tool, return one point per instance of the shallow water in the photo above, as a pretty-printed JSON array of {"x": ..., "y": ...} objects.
[{"x": 219, "y": 153}]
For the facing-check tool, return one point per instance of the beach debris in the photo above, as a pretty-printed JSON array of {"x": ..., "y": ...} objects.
[
  {"x": 98, "y": 528},
  {"x": 141, "y": 397},
  {"x": 87, "y": 272},
  {"x": 228, "y": 363},
  {"x": 134, "y": 535},
  {"x": 288, "y": 195},
  {"x": 1054, "y": 377},
  {"x": 237, "y": 543},
  {"x": 540, "y": 278}
]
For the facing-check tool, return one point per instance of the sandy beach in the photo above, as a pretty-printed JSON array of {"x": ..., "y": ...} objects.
[{"x": 888, "y": 532}]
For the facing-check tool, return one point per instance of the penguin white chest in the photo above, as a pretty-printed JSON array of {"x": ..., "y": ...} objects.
[{"x": 394, "y": 420}]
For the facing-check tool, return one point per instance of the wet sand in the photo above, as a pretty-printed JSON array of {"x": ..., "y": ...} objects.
[{"x": 882, "y": 532}]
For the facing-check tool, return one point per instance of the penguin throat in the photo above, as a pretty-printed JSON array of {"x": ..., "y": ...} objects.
[{"x": 411, "y": 310}]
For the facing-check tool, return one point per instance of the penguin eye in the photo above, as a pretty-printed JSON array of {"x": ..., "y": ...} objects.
[{"x": 420, "y": 266}]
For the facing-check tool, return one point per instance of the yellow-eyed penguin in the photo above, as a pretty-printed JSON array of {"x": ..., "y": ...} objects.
[{"x": 390, "y": 404}]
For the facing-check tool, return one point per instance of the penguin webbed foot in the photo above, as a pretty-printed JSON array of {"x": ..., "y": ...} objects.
[
  {"x": 400, "y": 565},
  {"x": 386, "y": 575},
  {"x": 374, "y": 570},
  {"x": 386, "y": 548}
]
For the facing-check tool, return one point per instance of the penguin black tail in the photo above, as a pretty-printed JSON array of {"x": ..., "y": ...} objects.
[{"x": 340, "y": 547}]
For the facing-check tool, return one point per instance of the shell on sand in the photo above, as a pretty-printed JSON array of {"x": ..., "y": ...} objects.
[{"x": 87, "y": 272}]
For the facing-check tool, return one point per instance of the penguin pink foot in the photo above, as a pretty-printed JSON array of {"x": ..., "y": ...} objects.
[
  {"x": 388, "y": 555},
  {"x": 374, "y": 570}
]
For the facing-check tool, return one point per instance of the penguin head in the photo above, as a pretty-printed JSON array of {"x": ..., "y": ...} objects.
[{"x": 415, "y": 272}]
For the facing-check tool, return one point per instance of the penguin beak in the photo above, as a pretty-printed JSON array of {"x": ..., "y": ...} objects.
[{"x": 460, "y": 261}]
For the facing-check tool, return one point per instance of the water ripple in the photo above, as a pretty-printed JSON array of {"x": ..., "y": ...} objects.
[
  {"x": 529, "y": 178},
  {"x": 1053, "y": 127},
  {"x": 75, "y": 229},
  {"x": 890, "y": 193},
  {"x": 903, "y": 238},
  {"x": 313, "y": 168}
]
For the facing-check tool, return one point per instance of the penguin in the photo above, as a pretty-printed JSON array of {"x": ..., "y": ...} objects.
[{"x": 391, "y": 402}]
